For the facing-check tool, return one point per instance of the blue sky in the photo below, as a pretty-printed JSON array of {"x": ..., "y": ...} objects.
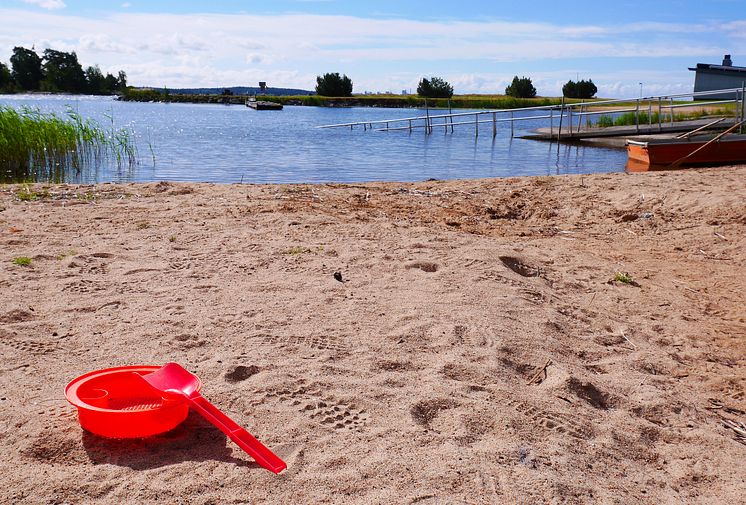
[{"x": 388, "y": 45}]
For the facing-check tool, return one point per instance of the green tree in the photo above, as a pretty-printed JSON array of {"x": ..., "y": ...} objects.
[
  {"x": 6, "y": 79},
  {"x": 333, "y": 85},
  {"x": 580, "y": 89},
  {"x": 95, "y": 81},
  {"x": 27, "y": 71},
  {"x": 111, "y": 84},
  {"x": 435, "y": 87},
  {"x": 521, "y": 88},
  {"x": 121, "y": 84},
  {"x": 62, "y": 72}
]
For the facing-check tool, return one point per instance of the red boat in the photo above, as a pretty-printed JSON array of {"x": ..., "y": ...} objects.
[{"x": 695, "y": 150}]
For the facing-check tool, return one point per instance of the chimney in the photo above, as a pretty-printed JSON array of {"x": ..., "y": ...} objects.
[{"x": 727, "y": 62}]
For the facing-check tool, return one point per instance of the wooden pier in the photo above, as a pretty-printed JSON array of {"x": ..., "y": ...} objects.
[
  {"x": 646, "y": 129},
  {"x": 567, "y": 122}
]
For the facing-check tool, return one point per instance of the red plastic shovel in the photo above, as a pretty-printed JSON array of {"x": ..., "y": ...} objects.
[{"x": 172, "y": 378}]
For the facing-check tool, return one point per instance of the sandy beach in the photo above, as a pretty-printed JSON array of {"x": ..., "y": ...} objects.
[{"x": 572, "y": 339}]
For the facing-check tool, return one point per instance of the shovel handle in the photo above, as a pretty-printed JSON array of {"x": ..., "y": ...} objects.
[{"x": 240, "y": 436}]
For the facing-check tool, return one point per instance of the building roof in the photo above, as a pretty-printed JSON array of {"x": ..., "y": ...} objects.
[{"x": 718, "y": 68}]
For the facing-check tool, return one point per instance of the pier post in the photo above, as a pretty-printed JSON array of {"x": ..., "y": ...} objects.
[
  {"x": 511, "y": 124},
  {"x": 660, "y": 124},
  {"x": 476, "y": 125},
  {"x": 494, "y": 125},
  {"x": 671, "y": 109},
  {"x": 743, "y": 104},
  {"x": 637, "y": 116},
  {"x": 428, "y": 129}
]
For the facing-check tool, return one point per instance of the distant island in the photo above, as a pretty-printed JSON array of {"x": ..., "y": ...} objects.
[
  {"x": 237, "y": 95},
  {"x": 235, "y": 90}
]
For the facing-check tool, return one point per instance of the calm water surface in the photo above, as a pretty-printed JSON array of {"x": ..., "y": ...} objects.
[{"x": 227, "y": 144}]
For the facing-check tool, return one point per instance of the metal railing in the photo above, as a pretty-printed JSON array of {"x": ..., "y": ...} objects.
[{"x": 564, "y": 114}]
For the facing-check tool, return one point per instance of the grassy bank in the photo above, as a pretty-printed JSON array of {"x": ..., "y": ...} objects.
[
  {"x": 44, "y": 146},
  {"x": 393, "y": 101}
]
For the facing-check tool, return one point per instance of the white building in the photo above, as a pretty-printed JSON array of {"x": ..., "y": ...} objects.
[{"x": 711, "y": 77}]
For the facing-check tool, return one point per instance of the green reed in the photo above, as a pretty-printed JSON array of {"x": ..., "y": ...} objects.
[
  {"x": 36, "y": 146},
  {"x": 642, "y": 117}
]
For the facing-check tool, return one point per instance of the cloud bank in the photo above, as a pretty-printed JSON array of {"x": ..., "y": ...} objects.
[{"x": 289, "y": 50}]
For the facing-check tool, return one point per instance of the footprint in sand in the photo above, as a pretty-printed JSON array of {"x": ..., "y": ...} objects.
[
  {"x": 241, "y": 373},
  {"x": 187, "y": 341},
  {"x": 425, "y": 266},
  {"x": 425, "y": 411},
  {"x": 323, "y": 343},
  {"x": 83, "y": 286},
  {"x": 521, "y": 267},
  {"x": 323, "y": 408},
  {"x": 557, "y": 422},
  {"x": 31, "y": 346},
  {"x": 17, "y": 316}
]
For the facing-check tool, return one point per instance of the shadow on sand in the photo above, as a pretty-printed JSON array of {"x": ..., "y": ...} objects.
[{"x": 193, "y": 440}]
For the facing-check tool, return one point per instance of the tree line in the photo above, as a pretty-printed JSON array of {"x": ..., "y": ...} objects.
[
  {"x": 334, "y": 84},
  {"x": 56, "y": 71}
]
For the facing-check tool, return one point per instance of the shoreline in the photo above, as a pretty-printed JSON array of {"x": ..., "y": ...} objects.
[{"x": 542, "y": 338}]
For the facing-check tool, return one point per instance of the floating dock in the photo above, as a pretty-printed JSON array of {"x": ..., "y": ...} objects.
[{"x": 262, "y": 105}]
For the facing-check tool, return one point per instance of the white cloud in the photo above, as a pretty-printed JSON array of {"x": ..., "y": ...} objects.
[
  {"x": 47, "y": 4},
  {"x": 290, "y": 50},
  {"x": 126, "y": 5}
]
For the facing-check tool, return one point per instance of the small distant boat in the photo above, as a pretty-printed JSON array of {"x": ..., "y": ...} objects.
[
  {"x": 688, "y": 150},
  {"x": 262, "y": 105}
]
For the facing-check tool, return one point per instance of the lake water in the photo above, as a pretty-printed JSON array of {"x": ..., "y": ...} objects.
[{"x": 228, "y": 144}]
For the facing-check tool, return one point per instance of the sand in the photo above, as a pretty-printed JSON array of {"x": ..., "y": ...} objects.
[{"x": 477, "y": 350}]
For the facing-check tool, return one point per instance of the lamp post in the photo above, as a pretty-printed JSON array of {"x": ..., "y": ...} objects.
[{"x": 640, "y": 90}]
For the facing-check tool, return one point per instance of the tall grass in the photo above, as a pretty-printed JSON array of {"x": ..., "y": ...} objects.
[
  {"x": 632, "y": 118},
  {"x": 37, "y": 146}
]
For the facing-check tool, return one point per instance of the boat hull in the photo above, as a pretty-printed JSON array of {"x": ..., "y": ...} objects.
[
  {"x": 260, "y": 105},
  {"x": 666, "y": 152}
]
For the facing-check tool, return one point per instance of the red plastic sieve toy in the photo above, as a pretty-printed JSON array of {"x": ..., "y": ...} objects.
[
  {"x": 116, "y": 403},
  {"x": 141, "y": 401}
]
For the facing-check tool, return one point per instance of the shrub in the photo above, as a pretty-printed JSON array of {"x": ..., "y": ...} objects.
[
  {"x": 521, "y": 88},
  {"x": 435, "y": 87},
  {"x": 580, "y": 89},
  {"x": 333, "y": 85}
]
